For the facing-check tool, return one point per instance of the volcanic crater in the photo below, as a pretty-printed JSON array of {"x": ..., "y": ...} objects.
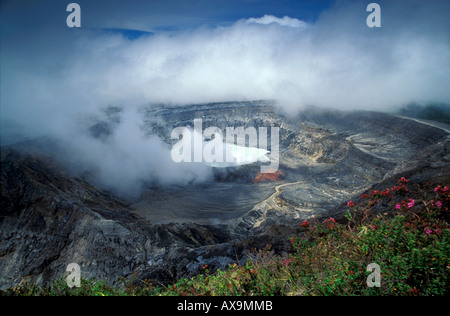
[{"x": 51, "y": 217}]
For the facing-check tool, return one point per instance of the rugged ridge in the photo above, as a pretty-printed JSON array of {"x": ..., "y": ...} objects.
[{"x": 49, "y": 219}]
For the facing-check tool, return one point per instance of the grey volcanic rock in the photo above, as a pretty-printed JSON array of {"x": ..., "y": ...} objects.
[{"x": 50, "y": 218}]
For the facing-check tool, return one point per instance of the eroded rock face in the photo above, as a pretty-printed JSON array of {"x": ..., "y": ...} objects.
[{"x": 49, "y": 218}]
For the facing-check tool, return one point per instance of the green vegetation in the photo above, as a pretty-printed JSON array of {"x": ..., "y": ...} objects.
[{"x": 404, "y": 229}]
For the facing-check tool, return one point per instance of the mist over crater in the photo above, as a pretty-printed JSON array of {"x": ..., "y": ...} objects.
[{"x": 195, "y": 213}]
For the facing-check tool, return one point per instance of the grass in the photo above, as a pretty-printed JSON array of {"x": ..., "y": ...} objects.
[{"x": 404, "y": 229}]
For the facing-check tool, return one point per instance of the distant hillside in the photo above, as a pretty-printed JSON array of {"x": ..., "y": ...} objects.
[{"x": 434, "y": 111}]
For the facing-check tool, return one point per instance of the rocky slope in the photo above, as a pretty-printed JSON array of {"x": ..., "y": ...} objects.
[{"x": 50, "y": 218}]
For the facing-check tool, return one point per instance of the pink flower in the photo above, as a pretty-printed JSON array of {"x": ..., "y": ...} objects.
[
  {"x": 411, "y": 203},
  {"x": 438, "y": 203},
  {"x": 437, "y": 188},
  {"x": 305, "y": 224},
  {"x": 398, "y": 206},
  {"x": 428, "y": 230},
  {"x": 351, "y": 204}
]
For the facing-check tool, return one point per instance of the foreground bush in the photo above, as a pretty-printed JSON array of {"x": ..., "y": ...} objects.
[{"x": 403, "y": 229}]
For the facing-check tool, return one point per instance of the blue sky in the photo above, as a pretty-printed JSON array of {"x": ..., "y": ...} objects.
[{"x": 154, "y": 14}]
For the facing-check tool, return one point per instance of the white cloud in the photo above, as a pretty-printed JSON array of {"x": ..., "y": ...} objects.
[{"x": 285, "y": 21}]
